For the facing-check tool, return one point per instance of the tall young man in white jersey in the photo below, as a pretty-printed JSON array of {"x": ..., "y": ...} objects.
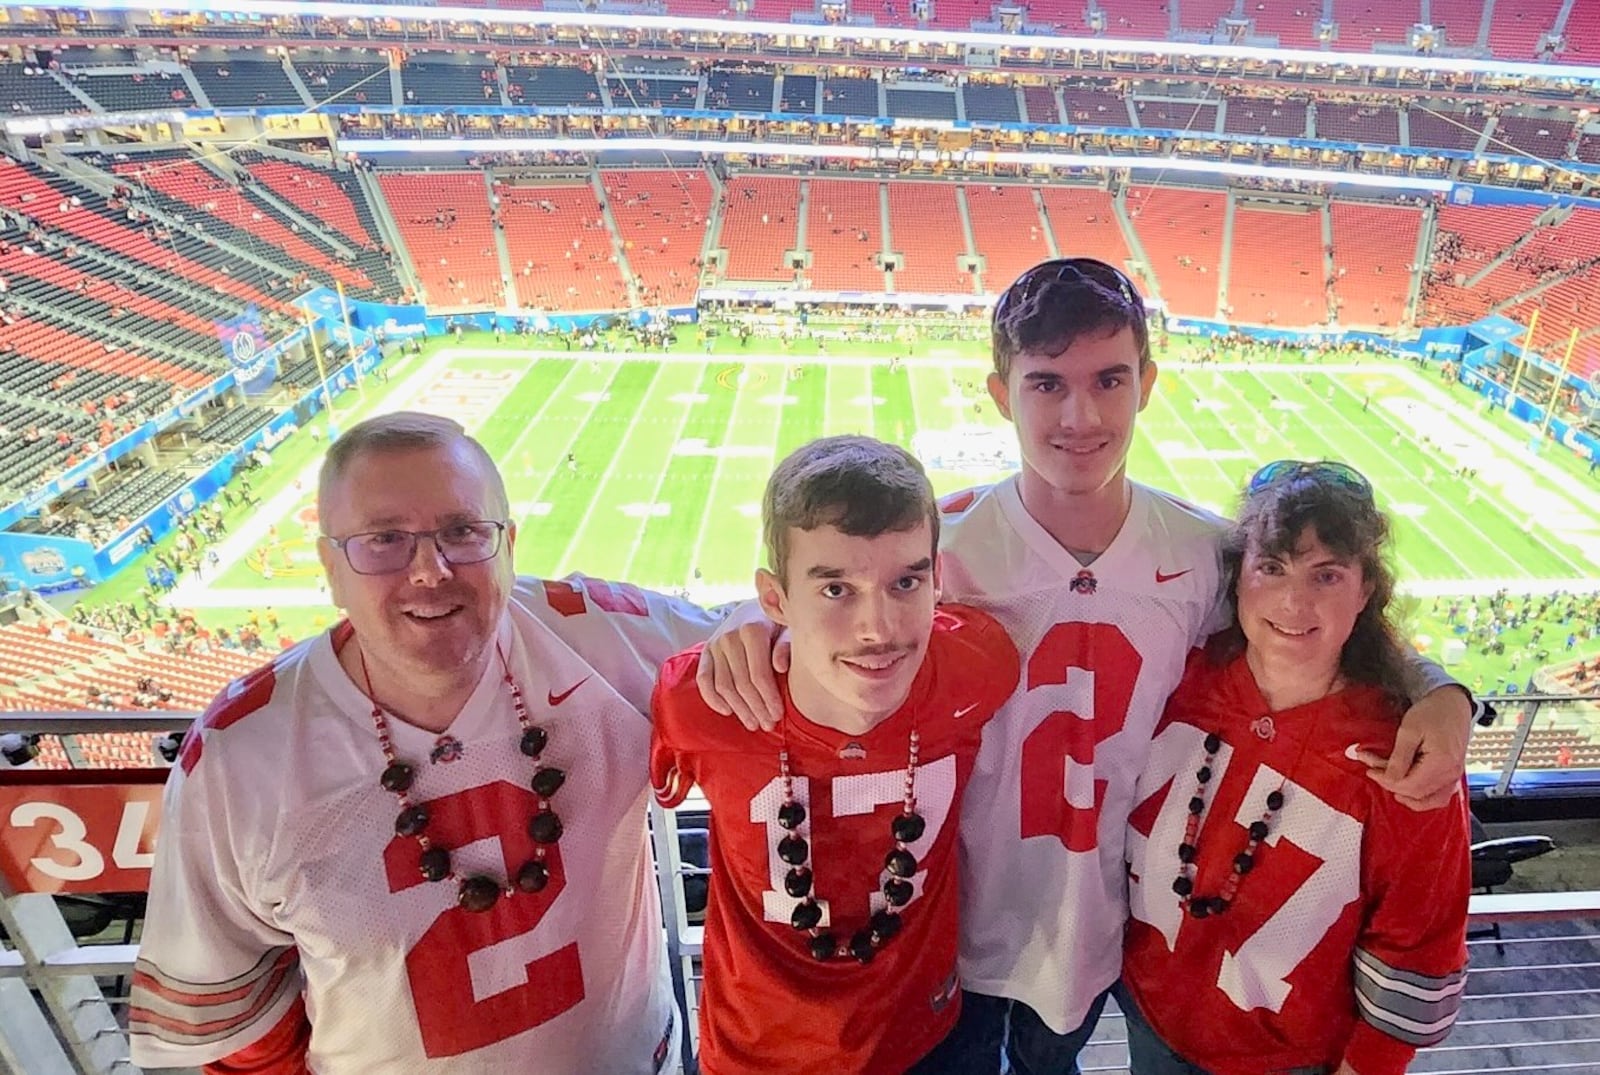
[
  {"x": 415, "y": 844},
  {"x": 1104, "y": 585}
]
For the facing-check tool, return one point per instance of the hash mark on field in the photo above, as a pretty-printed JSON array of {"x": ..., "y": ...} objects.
[
  {"x": 594, "y": 397},
  {"x": 688, "y": 398},
  {"x": 531, "y": 508},
  {"x": 641, "y": 511},
  {"x": 780, "y": 401},
  {"x": 869, "y": 401},
  {"x": 749, "y": 511}
]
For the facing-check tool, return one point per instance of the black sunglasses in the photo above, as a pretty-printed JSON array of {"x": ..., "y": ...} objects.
[
  {"x": 1290, "y": 469},
  {"x": 1071, "y": 271}
]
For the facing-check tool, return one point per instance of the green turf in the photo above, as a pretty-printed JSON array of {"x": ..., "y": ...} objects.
[{"x": 673, "y": 455}]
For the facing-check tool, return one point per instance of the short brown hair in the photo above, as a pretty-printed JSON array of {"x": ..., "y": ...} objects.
[
  {"x": 402, "y": 431},
  {"x": 1057, "y": 302},
  {"x": 859, "y": 485},
  {"x": 1348, "y": 522}
]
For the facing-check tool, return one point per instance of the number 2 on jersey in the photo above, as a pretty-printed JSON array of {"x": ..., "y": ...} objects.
[
  {"x": 451, "y": 1019},
  {"x": 1065, "y": 737}
]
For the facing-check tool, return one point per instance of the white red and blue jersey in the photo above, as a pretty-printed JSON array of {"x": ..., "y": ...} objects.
[
  {"x": 278, "y": 873},
  {"x": 1346, "y": 940},
  {"x": 1044, "y": 896}
]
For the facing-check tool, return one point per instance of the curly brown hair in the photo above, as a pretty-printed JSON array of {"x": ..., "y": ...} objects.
[{"x": 1273, "y": 520}]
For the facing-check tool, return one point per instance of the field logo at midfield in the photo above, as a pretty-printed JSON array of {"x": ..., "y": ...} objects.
[{"x": 967, "y": 449}]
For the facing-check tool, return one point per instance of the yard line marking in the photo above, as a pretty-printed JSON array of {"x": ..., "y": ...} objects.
[
  {"x": 1445, "y": 502},
  {"x": 560, "y": 454},
  {"x": 1514, "y": 451},
  {"x": 1178, "y": 482},
  {"x": 661, "y": 480},
  {"x": 1296, "y": 449},
  {"x": 747, "y": 395},
  {"x": 613, "y": 467},
  {"x": 734, "y": 358}
]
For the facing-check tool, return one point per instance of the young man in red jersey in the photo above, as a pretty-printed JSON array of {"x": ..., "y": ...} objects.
[{"x": 831, "y": 930}]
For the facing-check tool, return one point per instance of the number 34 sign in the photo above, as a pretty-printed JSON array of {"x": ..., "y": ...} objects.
[{"x": 82, "y": 831}]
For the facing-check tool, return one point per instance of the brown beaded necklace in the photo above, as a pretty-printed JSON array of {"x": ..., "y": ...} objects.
[
  {"x": 907, "y": 827},
  {"x": 478, "y": 892}
]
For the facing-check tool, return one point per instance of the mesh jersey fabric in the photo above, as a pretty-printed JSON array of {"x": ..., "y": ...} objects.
[
  {"x": 1346, "y": 940},
  {"x": 766, "y": 1004},
  {"x": 279, "y": 870},
  {"x": 1044, "y": 897}
]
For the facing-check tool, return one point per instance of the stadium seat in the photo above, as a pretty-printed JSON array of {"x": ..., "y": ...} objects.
[
  {"x": 759, "y": 225},
  {"x": 1492, "y": 866}
]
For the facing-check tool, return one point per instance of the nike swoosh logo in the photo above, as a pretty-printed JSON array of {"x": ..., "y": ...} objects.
[
  {"x": 1175, "y": 575},
  {"x": 556, "y": 699},
  {"x": 1350, "y": 751},
  {"x": 965, "y": 710}
]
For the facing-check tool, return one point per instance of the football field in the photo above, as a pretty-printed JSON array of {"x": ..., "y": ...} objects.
[{"x": 670, "y": 452}]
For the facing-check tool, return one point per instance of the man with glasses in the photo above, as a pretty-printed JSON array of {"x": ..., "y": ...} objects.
[
  {"x": 1104, "y": 585},
  {"x": 417, "y": 841}
]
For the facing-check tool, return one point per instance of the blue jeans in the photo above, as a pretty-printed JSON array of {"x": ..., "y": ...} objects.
[
  {"x": 1149, "y": 1055},
  {"x": 990, "y": 1025}
]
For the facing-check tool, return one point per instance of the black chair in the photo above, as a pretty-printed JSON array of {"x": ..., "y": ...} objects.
[{"x": 1492, "y": 862}]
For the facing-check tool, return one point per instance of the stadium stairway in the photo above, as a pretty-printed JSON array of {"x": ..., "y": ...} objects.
[
  {"x": 336, "y": 199},
  {"x": 183, "y": 187},
  {"x": 964, "y": 211},
  {"x": 385, "y": 227},
  {"x": 618, "y": 244},
  {"x": 1548, "y": 218},
  {"x": 1225, "y": 261},
  {"x": 98, "y": 225},
  {"x": 502, "y": 251},
  {"x": 223, "y": 166}
]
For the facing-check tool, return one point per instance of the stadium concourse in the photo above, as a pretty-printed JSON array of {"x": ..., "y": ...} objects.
[{"x": 644, "y": 251}]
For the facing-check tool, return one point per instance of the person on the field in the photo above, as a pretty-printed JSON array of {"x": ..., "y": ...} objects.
[
  {"x": 1288, "y": 914},
  {"x": 416, "y": 842},
  {"x": 1104, "y": 585},
  {"x": 830, "y": 939}
]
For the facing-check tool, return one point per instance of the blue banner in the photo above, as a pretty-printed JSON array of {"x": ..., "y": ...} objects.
[
  {"x": 253, "y": 359},
  {"x": 44, "y": 563}
]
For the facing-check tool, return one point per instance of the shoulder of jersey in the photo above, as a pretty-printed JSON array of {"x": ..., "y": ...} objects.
[
  {"x": 980, "y": 651},
  {"x": 566, "y": 600},
  {"x": 1184, "y": 519},
  {"x": 681, "y": 716},
  {"x": 956, "y": 505},
  {"x": 243, "y": 697}
]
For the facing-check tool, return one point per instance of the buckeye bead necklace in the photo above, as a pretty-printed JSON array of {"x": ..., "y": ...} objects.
[
  {"x": 901, "y": 865},
  {"x": 1189, "y": 851},
  {"x": 478, "y": 892}
]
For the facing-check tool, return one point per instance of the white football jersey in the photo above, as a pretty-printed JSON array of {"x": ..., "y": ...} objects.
[
  {"x": 279, "y": 872},
  {"x": 1045, "y": 819}
]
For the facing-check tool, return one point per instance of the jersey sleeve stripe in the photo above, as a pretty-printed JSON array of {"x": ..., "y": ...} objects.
[
  {"x": 184, "y": 1013},
  {"x": 1410, "y": 983},
  {"x": 673, "y": 792},
  {"x": 1408, "y": 1011}
]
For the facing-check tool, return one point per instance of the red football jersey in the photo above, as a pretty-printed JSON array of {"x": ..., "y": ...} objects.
[
  {"x": 1346, "y": 941},
  {"x": 767, "y": 1006}
]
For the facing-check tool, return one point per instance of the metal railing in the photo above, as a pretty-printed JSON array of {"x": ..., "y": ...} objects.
[{"x": 1532, "y": 1004}]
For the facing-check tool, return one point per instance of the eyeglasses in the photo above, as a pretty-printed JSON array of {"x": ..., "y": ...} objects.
[
  {"x": 383, "y": 552},
  {"x": 1072, "y": 271},
  {"x": 1291, "y": 469}
]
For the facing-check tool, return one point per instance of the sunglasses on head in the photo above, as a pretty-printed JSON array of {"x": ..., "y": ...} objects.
[
  {"x": 1071, "y": 271},
  {"x": 1291, "y": 469}
]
